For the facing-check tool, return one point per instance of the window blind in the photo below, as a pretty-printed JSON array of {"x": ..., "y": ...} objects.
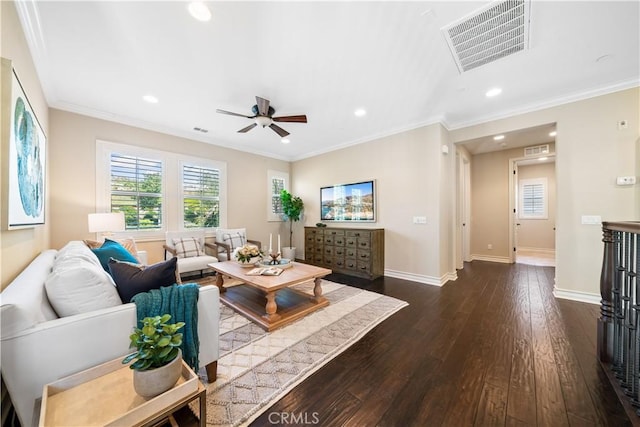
[
  {"x": 136, "y": 190},
  {"x": 277, "y": 185},
  {"x": 533, "y": 199},
  {"x": 201, "y": 196}
]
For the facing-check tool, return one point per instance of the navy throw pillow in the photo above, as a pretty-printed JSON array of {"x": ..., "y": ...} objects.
[
  {"x": 131, "y": 279},
  {"x": 112, "y": 249}
]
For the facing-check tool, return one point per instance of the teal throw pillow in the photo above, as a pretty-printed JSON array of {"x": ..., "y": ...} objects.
[{"x": 111, "y": 249}]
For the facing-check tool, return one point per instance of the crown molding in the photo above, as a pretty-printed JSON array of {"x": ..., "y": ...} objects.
[
  {"x": 406, "y": 128},
  {"x": 29, "y": 18},
  {"x": 154, "y": 127},
  {"x": 561, "y": 100}
]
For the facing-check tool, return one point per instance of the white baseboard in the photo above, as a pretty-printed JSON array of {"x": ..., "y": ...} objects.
[
  {"x": 502, "y": 259},
  {"x": 421, "y": 278},
  {"x": 538, "y": 250},
  {"x": 577, "y": 296}
]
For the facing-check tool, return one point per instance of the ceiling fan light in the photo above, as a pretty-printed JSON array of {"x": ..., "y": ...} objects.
[{"x": 263, "y": 121}]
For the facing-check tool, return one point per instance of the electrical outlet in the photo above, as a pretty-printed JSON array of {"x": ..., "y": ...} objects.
[
  {"x": 489, "y": 246},
  {"x": 623, "y": 124}
]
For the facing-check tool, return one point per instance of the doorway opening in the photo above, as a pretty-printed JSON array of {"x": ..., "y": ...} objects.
[{"x": 533, "y": 210}]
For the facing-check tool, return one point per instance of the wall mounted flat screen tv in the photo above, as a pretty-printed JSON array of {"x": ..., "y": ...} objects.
[{"x": 348, "y": 202}]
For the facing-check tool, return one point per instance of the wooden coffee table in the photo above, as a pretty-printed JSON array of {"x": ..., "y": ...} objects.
[{"x": 269, "y": 301}]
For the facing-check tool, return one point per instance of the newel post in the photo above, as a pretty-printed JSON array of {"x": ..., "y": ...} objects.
[{"x": 605, "y": 322}]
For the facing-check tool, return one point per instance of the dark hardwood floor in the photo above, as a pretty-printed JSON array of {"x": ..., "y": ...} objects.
[{"x": 492, "y": 348}]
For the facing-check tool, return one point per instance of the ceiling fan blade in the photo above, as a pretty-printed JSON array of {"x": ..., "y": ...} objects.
[
  {"x": 248, "y": 128},
  {"x": 263, "y": 106},
  {"x": 277, "y": 129},
  {"x": 295, "y": 119},
  {"x": 233, "y": 114}
]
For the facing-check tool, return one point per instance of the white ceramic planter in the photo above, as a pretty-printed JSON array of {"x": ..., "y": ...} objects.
[
  {"x": 158, "y": 380},
  {"x": 289, "y": 253}
]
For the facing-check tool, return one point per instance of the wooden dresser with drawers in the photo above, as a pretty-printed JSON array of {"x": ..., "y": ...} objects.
[{"x": 354, "y": 251}]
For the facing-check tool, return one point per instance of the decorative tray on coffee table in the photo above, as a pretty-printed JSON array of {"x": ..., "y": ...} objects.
[{"x": 281, "y": 265}]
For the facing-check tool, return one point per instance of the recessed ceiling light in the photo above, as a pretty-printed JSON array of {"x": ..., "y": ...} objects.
[
  {"x": 360, "y": 112},
  {"x": 150, "y": 99},
  {"x": 554, "y": 133},
  {"x": 199, "y": 10},
  {"x": 285, "y": 140},
  {"x": 493, "y": 92},
  {"x": 542, "y": 159},
  {"x": 498, "y": 137}
]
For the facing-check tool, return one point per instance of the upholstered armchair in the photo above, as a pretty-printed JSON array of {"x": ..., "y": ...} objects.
[
  {"x": 227, "y": 240},
  {"x": 191, "y": 250}
]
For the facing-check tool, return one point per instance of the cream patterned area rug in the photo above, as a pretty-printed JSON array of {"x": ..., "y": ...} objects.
[{"x": 257, "y": 368}]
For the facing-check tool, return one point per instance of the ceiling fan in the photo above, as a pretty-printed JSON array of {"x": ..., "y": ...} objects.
[{"x": 263, "y": 116}]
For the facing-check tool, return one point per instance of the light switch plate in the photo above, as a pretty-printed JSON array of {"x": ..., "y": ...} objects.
[
  {"x": 592, "y": 219},
  {"x": 419, "y": 219},
  {"x": 626, "y": 180}
]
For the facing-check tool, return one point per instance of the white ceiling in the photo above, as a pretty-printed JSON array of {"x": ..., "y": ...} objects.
[{"x": 323, "y": 59}]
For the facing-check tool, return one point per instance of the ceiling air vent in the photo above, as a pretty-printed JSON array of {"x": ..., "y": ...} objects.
[
  {"x": 493, "y": 32},
  {"x": 536, "y": 151}
]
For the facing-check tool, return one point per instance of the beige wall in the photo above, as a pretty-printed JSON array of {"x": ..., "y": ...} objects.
[
  {"x": 19, "y": 247},
  {"x": 413, "y": 178},
  {"x": 73, "y": 175},
  {"x": 591, "y": 152},
  {"x": 539, "y": 233}
]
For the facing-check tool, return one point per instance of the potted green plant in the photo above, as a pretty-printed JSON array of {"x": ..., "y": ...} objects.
[
  {"x": 158, "y": 359},
  {"x": 292, "y": 210}
]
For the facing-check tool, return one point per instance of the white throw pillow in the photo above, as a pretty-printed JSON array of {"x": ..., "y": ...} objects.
[
  {"x": 187, "y": 247},
  {"x": 234, "y": 240},
  {"x": 80, "y": 287}
]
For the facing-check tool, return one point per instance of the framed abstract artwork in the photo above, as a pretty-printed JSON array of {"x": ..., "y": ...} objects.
[{"x": 27, "y": 158}]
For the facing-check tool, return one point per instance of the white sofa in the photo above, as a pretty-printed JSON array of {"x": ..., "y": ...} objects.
[{"x": 38, "y": 347}]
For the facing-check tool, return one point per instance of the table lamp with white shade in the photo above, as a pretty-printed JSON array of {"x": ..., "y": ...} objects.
[{"x": 106, "y": 223}]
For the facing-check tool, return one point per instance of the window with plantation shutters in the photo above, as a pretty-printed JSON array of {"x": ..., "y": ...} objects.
[
  {"x": 160, "y": 191},
  {"x": 276, "y": 182},
  {"x": 201, "y": 196},
  {"x": 533, "y": 198},
  {"x": 136, "y": 190}
]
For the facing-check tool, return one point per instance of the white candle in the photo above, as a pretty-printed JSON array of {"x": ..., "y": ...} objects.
[
  {"x": 278, "y": 243},
  {"x": 270, "y": 250}
]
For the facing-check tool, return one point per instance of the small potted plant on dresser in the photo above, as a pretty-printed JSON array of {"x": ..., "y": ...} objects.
[
  {"x": 158, "y": 364},
  {"x": 292, "y": 209}
]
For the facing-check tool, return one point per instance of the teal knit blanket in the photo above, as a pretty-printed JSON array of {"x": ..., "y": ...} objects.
[{"x": 181, "y": 302}]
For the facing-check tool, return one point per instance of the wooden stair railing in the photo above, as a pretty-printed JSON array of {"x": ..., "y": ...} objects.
[{"x": 619, "y": 322}]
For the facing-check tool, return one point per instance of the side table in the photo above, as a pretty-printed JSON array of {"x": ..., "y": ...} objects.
[{"x": 104, "y": 396}]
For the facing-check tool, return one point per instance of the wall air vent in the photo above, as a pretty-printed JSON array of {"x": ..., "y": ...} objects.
[
  {"x": 536, "y": 151},
  {"x": 493, "y": 32}
]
